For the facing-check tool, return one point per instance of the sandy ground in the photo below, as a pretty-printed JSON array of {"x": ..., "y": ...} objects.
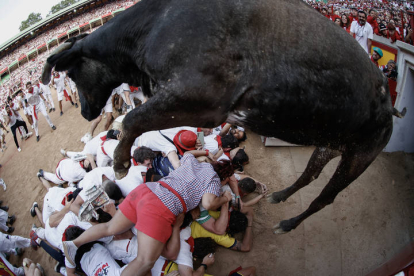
[{"x": 368, "y": 223}]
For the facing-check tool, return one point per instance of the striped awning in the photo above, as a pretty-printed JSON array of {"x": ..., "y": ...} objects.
[
  {"x": 84, "y": 24},
  {"x": 62, "y": 34},
  {"x": 22, "y": 57},
  {"x": 41, "y": 46}
]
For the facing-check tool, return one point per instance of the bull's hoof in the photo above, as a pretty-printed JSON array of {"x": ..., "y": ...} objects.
[
  {"x": 276, "y": 197},
  {"x": 282, "y": 227},
  {"x": 121, "y": 171}
]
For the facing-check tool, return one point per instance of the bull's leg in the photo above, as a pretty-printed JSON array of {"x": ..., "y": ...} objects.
[
  {"x": 318, "y": 160},
  {"x": 351, "y": 167},
  {"x": 164, "y": 110}
]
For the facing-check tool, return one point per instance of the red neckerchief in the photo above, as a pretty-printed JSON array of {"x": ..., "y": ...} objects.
[
  {"x": 218, "y": 139},
  {"x": 135, "y": 162},
  {"x": 103, "y": 138},
  {"x": 57, "y": 76},
  {"x": 30, "y": 90},
  {"x": 64, "y": 234},
  {"x": 66, "y": 197},
  {"x": 199, "y": 129},
  {"x": 190, "y": 241},
  {"x": 81, "y": 164}
]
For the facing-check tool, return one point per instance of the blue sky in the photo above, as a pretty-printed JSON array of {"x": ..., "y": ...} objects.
[{"x": 13, "y": 12}]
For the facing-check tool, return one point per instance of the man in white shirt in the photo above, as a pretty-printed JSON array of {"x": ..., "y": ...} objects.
[
  {"x": 45, "y": 90},
  {"x": 59, "y": 80},
  {"x": 36, "y": 101},
  {"x": 362, "y": 32}
]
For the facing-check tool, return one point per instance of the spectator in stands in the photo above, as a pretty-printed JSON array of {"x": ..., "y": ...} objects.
[
  {"x": 345, "y": 23},
  {"x": 324, "y": 12},
  {"x": 382, "y": 30},
  {"x": 392, "y": 33},
  {"x": 376, "y": 55},
  {"x": 362, "y": 32},
  {"x": 372, "y": 20},
  {"x": 354, "y": 14},
  {"x": 390, "y": 70},
  {"x": 337, "y": 21}
]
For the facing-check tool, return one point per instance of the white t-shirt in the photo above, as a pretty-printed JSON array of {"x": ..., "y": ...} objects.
[
  {"x": 94, "y": 178},
  {"x": 132, "y": 180},
  {"x": 362, "y": 34},
  {"x": 53, "y": 200},
  {"x": 93, "y": 145},
  {"x": 60, "y": 82},
  {"x": 104, "y": 157},
  {"x": 99, "y": 262},
  {"x": 70, "y": 171}
]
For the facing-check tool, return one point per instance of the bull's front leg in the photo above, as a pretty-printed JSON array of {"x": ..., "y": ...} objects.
[{"x": 164, "y": 110}]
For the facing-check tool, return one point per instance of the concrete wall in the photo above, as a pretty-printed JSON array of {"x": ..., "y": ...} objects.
[{"x": 402, "y": 138}]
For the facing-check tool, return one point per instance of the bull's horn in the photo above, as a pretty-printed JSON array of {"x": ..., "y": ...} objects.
[{"x": 48, "y": 67}]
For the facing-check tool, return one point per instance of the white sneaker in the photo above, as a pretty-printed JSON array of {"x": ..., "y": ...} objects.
[
  {"x": 28, "y": 135},
  {"x": 2, "y": 183},
  {"x": 19, "y": 149},
  {"x": 63, "y": 152},
  {"x": 63, "y": 271}
]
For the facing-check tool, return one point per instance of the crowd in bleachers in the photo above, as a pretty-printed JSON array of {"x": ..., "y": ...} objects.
[
  {"x": 26, "y": 71},
  {"x": 388, "y": 19}
]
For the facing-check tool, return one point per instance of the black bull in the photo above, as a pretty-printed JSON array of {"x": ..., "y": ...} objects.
[{"x": 276, "y": 67}]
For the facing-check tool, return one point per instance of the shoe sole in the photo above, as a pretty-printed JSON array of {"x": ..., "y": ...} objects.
[{"x": 65, "y": 250}]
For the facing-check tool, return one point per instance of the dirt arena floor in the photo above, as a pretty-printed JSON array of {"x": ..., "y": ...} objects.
[{"x": 368, "y": 223}]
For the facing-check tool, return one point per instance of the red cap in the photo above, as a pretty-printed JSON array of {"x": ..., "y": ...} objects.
[{"x": 185, "y": 140}]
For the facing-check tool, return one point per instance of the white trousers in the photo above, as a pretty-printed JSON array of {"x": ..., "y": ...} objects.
[
  {"x": 9, "y": 243},
  {"x": 4, "y": 216},
  {"x": 49, "y": 99},
  {"x": 53, "y": 178},
  {"x": 40, "y": 107}
]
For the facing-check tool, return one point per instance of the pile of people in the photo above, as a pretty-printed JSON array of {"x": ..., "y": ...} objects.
[{"x": 183, "y": 196}]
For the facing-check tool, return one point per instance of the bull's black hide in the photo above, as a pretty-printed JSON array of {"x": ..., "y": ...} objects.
[{"x": 276, "y": 67}]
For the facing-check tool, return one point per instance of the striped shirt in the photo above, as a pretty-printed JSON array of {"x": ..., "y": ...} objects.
[{"x": 191, "y": 181}]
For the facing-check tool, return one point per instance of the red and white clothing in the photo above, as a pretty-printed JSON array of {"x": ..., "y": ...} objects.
[
  {"x": 105, "y": 153},
  {"x": 54, "y": 201},
  {"x": 9, "y": 269},
  {"x": 121, "y": 89},
  {"x": 67, "y": 170},
  {"x": 156, "y": 142},
  {"x": 191, "y": 181},
  {"x": 59, "y": 81},
  {"x": 99, "y": 262},
  {"x": 91, "y": 147},
  {"x": 34, "y": 100},
  {"x": 4, "y": 216},
  {"x": 136, "y": 92},
  {"x": 47, "y": 94}
]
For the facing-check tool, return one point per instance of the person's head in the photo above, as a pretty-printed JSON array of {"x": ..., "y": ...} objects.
[
  {"x": 8, "y": 108},
  {"x": 362, "y": 17},
  {"x": 344, "y": 20},
  {"x": 239, "y": 134},
  {"x": 224, "y": 169},
  {"x": 247, "y": 185},
  {"x": 87, "y": 166},
  {"x": 71, "y": 195},
  {"x": 113, "y": 134},
  {"x": 391, "y": 27},
  {"x": 203, "y": 247},
  {"x": 324, "y": 11},
  {"x": 391, "y": 65},
  {"x": 229, "y": 142},
  {"x": 354, "y": 11},
  {"x": 36, "y": 82},
  {"x": 239, "y": 158},
  {"x": 383, "y": 29},
  {"x": 185, "y": 140},
  {"x": 377, "y": 53},
  {"x": 144, "y": 156},
  {"x": 237, "y": 223},
  {"x": 112, "y": 190},
  {"x": 372, "y": 13},
  {"x": 337, "y": 21},
  {"x": 28, "y": 85}
]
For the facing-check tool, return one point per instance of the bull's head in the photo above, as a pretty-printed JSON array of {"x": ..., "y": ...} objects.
[{"x": 93, "y": 78}]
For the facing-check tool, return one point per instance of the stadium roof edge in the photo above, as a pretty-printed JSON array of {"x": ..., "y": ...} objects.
[{"x": 42, "y": 22}]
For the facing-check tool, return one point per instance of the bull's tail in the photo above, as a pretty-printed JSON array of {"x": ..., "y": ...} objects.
[{"x": 398, "y": 114}]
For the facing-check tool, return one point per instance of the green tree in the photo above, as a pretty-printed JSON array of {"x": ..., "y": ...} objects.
[
  {"x": 63, "y": 4},
  {"x": 33, "y": 18}
]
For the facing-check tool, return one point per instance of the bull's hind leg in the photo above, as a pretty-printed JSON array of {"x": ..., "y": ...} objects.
[
  {"x": 318, "y": 160},
  {"x": 352, "y": 165}
]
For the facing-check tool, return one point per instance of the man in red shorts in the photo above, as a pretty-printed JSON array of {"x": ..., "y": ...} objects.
[{"x": 153, "y": 207}]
